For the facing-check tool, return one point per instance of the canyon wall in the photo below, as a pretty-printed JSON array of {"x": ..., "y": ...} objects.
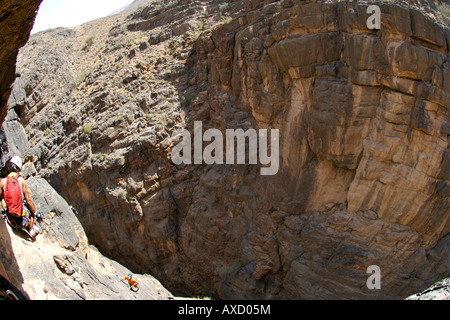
[{"x": 364, "y": 144}]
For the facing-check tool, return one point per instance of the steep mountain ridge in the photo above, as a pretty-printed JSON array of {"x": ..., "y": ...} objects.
[{"x": 364, "y": 126}]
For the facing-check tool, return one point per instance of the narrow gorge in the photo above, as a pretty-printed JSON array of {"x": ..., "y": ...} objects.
[{"x": 363, "y": 118}]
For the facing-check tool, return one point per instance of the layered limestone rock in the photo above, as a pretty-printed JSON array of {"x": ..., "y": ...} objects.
[
  {"x": 364, "y": 144},
  {"x": 13, "y": 137}
]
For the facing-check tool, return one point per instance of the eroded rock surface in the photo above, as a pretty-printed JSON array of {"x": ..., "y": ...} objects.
[
  {"x": 438, "y": 291},
  {"x": 364, "y": 144}
]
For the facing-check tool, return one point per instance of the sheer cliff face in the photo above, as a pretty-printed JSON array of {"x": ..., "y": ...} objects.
[
  {"x": 16, "y": 21},
  {"x": 364, "y": 137}
]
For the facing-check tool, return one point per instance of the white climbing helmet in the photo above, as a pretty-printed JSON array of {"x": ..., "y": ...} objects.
[{"x": 17, "y": 161}]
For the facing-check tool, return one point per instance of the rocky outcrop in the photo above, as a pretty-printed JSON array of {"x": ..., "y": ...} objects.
[
  {"x": 364, "y": 144},
  {"x": 16, "y": 20}
]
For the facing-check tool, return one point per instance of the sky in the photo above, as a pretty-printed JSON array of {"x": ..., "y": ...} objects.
[{"x": 71, "y": 13}]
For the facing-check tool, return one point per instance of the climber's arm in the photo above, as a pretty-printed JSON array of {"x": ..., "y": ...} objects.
[{"x": 27, "y": 195}]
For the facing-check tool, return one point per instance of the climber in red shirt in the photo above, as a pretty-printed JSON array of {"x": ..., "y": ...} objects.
[{"x": 16, "y": 199}]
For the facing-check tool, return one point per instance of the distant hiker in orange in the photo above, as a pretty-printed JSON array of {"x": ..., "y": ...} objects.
[
  {"x": 132, "y": 281},
  {"x": 16, "y": 198}
]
